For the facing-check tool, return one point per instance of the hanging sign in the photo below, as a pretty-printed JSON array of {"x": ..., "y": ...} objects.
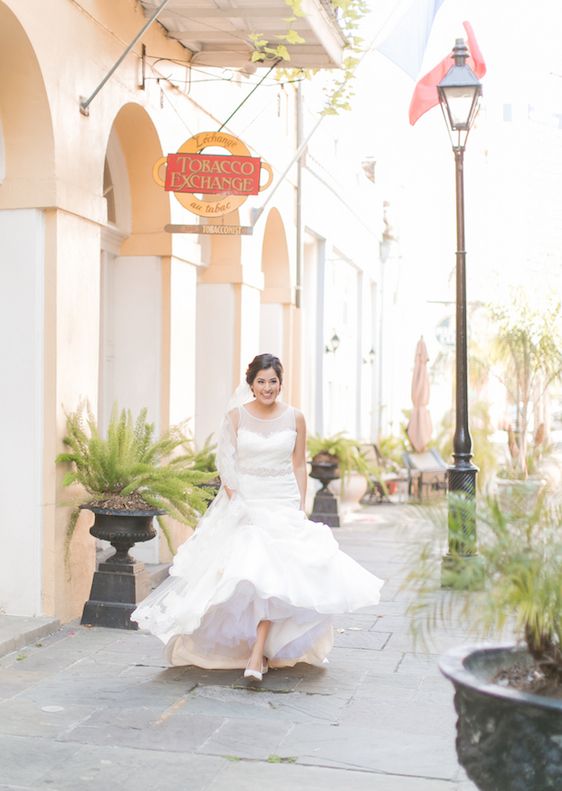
[
  {"x": 213, "y": 174},
  {"x": 212, "y": 185},
  {"x": 212, "y": 230}
]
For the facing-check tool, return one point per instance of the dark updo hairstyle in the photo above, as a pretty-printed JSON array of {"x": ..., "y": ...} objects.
[{"x": 262, "y": 362}]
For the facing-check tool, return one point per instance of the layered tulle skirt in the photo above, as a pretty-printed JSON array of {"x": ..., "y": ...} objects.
[{"x": 252, "y": 560}]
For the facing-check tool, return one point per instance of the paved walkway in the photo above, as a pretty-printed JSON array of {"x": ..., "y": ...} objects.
[{"x": 90, "y": 708}]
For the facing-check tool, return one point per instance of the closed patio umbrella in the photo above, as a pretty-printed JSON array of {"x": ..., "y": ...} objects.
[{"x": 420, "y": 427}]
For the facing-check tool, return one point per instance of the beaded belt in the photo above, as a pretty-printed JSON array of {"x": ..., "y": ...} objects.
[{"x": 264, "y": 472}]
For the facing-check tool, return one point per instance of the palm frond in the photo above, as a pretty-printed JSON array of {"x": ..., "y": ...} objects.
[
  {"x": 129, "y": 461},
  {"x": 516, "y": 579}
]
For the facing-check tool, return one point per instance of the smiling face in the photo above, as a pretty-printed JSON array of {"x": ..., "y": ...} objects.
[{"x": 266, "y": 387}]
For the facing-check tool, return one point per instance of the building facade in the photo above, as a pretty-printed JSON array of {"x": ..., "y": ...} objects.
[{"x": 100, "y": 302}]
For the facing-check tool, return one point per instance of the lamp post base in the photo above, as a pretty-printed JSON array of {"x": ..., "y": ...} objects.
[
  {"x": 462, "y": 479},
  {"x": 461, "y": 572},
  {"x": 456, "y": 565}
]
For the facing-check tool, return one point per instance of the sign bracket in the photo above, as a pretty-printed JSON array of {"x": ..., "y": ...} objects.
[{"x": 85, "y": 103}]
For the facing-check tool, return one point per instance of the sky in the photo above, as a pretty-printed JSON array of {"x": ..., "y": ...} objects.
[
  {"x": 513, "y": 162},
  {"x": 513, "y": 167}
]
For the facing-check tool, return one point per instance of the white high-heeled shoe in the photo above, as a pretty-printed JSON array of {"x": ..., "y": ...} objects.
[{"x": 250, "y": 673}]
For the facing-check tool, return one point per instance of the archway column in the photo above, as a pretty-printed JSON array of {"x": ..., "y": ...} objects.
[
  {"x": 281, "y": 334},
  {"x": 70, "y": 375},
  {"x": 228, "y": 320},
  {"x": 22, "y": 277},
  {"x": 179, "y": 336},
  {"x": 49, "y": 348}
]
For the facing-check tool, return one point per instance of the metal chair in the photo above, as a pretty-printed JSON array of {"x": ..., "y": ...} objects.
[
  {"x": 427, "y": 474},
  {"x": 379, "y": 484}
]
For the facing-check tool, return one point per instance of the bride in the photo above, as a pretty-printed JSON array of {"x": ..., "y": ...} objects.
[{"x": 257, "y": 583}]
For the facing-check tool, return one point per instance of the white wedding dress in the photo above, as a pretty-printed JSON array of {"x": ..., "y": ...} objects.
[{"x": 252, "y": 558}]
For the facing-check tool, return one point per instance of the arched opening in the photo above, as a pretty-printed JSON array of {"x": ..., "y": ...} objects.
[
  {"x": 109, "y": 194},
  {"x": 275, "y": 259},
  {"x": 26, "y": 183},
  {"x": 117, "y": 189},
  {"x": 28, "y": 144},
  {"x": 279, "y": 319},
  {"x": 150, "y": 205},
  {"x": 134, "y": 302}
]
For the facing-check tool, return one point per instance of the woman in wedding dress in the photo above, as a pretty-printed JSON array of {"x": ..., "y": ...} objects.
[{"x": 257, "y": 584}]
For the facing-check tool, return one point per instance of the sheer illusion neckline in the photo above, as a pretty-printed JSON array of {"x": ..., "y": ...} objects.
[{"x": 265, "y": 419}]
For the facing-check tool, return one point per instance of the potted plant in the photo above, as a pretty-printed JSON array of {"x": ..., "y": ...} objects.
[
  {"x": 392, "y": 449},
  {"x": 129, "y": 470},
  {"x": 508, "y": 697},
  {"x": 344, "y": 465},
  {"x": 341, "y": 453},
  {"x": 127, "y": 478}
]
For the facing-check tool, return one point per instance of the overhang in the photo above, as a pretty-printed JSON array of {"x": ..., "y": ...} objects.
[{"x": 217, "y": 32}]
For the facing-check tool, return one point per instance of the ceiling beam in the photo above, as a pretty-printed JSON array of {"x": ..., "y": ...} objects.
[
  {"x": 227, "y": 36},
  {"x": 251, "y": 12}
]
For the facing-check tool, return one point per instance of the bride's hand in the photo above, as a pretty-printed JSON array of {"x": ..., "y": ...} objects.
[{"x": 229, "y": 492}]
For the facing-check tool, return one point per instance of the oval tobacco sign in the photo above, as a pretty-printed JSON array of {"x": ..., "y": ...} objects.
[{"x": 231, "y": 177}]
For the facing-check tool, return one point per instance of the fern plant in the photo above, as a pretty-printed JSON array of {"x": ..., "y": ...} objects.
[
  {"x": 129, "y": 469},
  {"x": 515, "y": 581},
  {"x": 204, "y": 458}
]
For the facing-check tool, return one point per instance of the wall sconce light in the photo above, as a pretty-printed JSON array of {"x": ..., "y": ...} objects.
[
  {"x": 333, "y": 344},
  {"x": 369, "y": 359}
]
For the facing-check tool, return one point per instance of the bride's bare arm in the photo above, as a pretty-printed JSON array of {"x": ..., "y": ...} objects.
[{"x": 299, "y": 457}]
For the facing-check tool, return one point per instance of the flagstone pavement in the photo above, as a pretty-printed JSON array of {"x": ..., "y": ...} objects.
[{"x": 92, "y": 708}]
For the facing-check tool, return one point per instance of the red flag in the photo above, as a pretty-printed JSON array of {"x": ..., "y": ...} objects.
[{"x": 425, "y": 93}]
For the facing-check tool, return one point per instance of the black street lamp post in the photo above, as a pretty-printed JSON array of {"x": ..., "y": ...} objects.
[{"x": 459, "y": 93}]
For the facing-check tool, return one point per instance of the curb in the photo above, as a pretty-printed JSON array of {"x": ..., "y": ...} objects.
[{"x": 17, "y": 631}]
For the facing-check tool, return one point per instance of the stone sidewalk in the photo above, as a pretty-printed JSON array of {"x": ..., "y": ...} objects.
[{"x": 90, "y": 708}]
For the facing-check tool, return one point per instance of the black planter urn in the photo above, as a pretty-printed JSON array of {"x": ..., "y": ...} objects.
[
  {"x": 120, "y": 582},
  {"x": 325, "y": 508},
  {"x": 213, "y": 487},
  {"x": 506, "y": 740}
]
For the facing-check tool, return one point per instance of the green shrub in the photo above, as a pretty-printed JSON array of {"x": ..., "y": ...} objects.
[
  {"x": 515, "y": 579},
  {"x": 204, "y": 458},
  {"x": 130, "y": 469},
  {"x": 350, "y": 456}
]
